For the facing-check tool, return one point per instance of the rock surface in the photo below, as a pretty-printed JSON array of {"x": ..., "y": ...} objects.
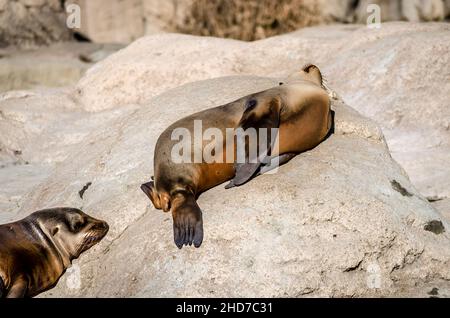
[
  {"x": 443, "y": 206},
  {"x": 340, "y": 220}
]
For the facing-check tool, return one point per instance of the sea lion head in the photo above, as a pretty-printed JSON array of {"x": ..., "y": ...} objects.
[{"x": 71, "y": 230}]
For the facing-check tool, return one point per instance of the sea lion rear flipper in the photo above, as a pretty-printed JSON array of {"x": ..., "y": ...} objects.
[
  {"x": 2, "y": 289},
  {"x": 18, "y": 290},
  {"x": 264, "y": 115}
]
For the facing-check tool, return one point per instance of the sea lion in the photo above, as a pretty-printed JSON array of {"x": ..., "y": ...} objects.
[
  {"x": 299, "y": 108},
  {"x": 36, "y": 251}
]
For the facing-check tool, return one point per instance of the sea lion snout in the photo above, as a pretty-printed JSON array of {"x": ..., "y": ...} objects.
[
  {"x": 93, "y": 233},
  {"x": 98, "y": 228},
  {"x": 101, "y": 226}
]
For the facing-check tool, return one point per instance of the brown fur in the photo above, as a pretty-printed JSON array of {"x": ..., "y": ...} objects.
[
  {"x": 301, "y": 111},
  {"x": 36, "y": 251}
]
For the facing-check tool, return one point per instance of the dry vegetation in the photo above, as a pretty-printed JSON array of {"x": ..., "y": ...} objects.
[{"x": 249, "y": 19}]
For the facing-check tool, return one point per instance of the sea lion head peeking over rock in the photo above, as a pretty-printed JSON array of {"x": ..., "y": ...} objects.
[
  {"x": 298, "y": 110},
  {"x": 36, "y": 251}
]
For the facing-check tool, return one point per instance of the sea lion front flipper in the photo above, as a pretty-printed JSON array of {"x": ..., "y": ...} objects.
[
  {"x": 18, "y": 289},
  {"x": 244, "y": 172},
  {"x": 187, "y": 220},
  {"x": 276, "y": 162},
  {"x": 257, "y": 115}
]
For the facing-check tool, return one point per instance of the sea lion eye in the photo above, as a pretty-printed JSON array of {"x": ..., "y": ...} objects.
[
  {"x": 77, "y": 226},
  {"x": 251, "y": 104},
  {"x": 54, "y": 231},
  {"x": 76, "y": 223}
]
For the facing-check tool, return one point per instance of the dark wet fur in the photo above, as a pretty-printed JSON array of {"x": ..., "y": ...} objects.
[{"x": 2, "y": 288}]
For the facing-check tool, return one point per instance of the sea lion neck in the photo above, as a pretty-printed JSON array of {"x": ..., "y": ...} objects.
[{"x": 60, "y": 252}]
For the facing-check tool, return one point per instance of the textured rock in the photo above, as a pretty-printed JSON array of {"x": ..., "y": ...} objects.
[{"x": 443, "y": 206}]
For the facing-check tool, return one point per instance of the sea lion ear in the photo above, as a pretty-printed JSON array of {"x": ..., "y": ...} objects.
[
  {"x": 54, "y": 231},
  {"x": 313, "y": 74},
  {"x": 76, "y": 222},
  {"x": 256, "y": 118}
]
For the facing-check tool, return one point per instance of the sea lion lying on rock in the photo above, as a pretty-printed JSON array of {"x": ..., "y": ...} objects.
[{"x": 295, "y": 116}]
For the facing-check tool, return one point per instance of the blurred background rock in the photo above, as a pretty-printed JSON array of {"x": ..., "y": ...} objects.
[
  {"x": 39, "y": 22},
  {"x": 38, "y": 49},
  {"x": 124, "y": 21}
]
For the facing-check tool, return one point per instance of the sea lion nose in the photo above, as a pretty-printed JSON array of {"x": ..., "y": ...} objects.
[
  {"x": 102, "y": 225},
  {"x": 105, "y": 226}
]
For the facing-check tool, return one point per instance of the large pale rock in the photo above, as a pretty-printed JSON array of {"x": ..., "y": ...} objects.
[
  {"x": 322, "y": 226},
  {"x": 407, "y": 94}
]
